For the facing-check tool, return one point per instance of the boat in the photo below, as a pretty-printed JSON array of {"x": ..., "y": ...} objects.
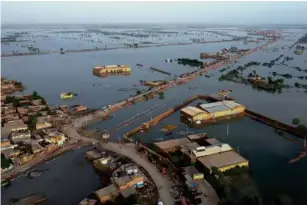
[{"x": 68, "y": 95}]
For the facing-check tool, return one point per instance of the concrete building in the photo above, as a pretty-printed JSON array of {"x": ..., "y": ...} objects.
[
  {"x": 36, "y": 102},
  {"x": 43, "y": 122},
  {"x": 111, "y": 69},
  {"x": 194, "y": 114},
  {"x": 126, "y": 182},
  {"x": 172, "y": 145},
  {"x": 222, "y": 108},
  {"x": 222, "y": 161},
  {"x": 93, "y": 155},
  {"x": 22, "y": 111},
  {"x": 193, "y": 172},
  {"x": 13, "y": 127},
  {"x": 209, "y": 150},
  {"x": 128, "y": 192},
  {"x": 20, "y": 136},
  {"x": 56, "y": 138},
  {"x": 107, "y": 193}
]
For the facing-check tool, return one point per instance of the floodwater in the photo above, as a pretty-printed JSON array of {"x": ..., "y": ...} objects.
[
  {"x": 267, "y": 152},
  {"x": 69, "y": 179}
]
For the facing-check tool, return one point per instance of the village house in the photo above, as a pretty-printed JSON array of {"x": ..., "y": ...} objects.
[
  {"x": 22, "y": 111},
  {"x": 8, "y": 110},
  {"x": 43, "y": 122},
  {"x": 20, "y": 136},
  {"x": 13, "y": 127},
  {"x": 10, "y": 117},
  {"x": 36, "y": 102},
  {"x": 56, "y": 138}
]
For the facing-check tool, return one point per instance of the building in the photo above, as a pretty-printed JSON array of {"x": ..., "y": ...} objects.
[
  {"x": 87, "y": 201},
  {"x": 36, "y": 102},
  {"x": 56, "y": 138},
  {"x": 209, "y": 150},
  {"x": 5, "y": 143},
  {"x": 128, "y": 192},
  {"x": 9, "y": 109},
  {"x": 107, "y": 193},
  {"x": 22, "y": 111},
  {"x": 126, "y": 182},
  {"x": 80, "y": 108},
  {"x": 93, "y": 154},
  {"x": 222, "y": 161},
  {"x": 172, "y": 145},
  {"x": 193, "y": 172},
  {"x": 131, "y": 170},
  {"x": 194, "y": 114},
  {"x": 222, "y": 109},
  {"x": 10, "y": 117},
  {"x": 111, "y": 69},
  {"x": 20, "y": 136},
  {"x": 212, "y": 141},
  {"x": 13, "y": 127},
  {"x": 36, "y": 148},
  {"x": 43, "y": 122}
]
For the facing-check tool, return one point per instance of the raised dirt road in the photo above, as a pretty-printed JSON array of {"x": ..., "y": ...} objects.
[{"x": 129, "y": 150}]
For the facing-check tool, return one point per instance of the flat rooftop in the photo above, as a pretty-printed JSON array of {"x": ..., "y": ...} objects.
[
  {"x": 213, "y": 141},
  {"x": 197, "y": 136},
  {"x": 94, "y": 154},
  {"x": 221, "y": 159},
  {"x": 106, "y": 191},
  {"x": 219, "y": 106},
  {"x": 174, "y": 143},
  {"x": 128, "y": 192},
  {"x": 190, "y": 170},
  {"x": 191, "y": 111}
]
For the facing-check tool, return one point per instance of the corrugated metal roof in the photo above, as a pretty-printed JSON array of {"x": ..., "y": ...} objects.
[
  {"x": 192, "y": 111},
  {"x": 219, "y": 106}
]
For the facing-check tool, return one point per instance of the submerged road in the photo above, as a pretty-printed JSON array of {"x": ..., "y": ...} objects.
[{"x": 128, "y": 150}]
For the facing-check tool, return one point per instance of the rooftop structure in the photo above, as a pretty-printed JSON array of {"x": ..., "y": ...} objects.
[
  {"x": 172, "y": 145},
  {"x": 222, "y": 108},
  {"x": 213, "y": 141},
  {"x": 128, "y": 192},
  {"x": 195, "y": 137},
  {"x": 193, "y": 172},
  {"x": 106, "y": 193},
  {"x": 93, "y": 154},
  {"x": 194, "y": 114},
  {"x": 209, "y": 150},
  {"x": 223, "y": 161}
]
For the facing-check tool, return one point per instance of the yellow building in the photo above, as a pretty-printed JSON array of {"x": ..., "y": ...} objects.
[
  {"x": 194, "y": 114},
  {"x": 111, "y": 69},
  {"x": 222, "y": 108}
]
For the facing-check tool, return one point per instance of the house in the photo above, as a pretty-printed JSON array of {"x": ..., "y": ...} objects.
[
  {"x": 20, "y": 136},
  {"x": 56, "y": 138},
  {"x": 10, "y": 117},
  {"x": 13, "y": 127},
  {"x": 36, "y": 102},
  {"x": 36, "y": 148},
  {"x": 43, "y": 122},
  {"x": 5, "y": 143},
  {"x": 34, "y": 108},
  {"x": 8, "y": 110},
  {"x": 22, "y": 111},
  {"x": 107, "y": 193}
]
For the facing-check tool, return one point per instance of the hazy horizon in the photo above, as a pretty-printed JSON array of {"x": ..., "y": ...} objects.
[{"x": 220, "y": 13}]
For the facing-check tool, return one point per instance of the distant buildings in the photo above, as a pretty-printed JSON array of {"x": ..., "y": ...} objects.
[{"x": 111, "y": 69}]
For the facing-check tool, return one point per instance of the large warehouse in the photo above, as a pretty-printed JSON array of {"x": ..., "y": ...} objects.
[
  {"x": 222, "y": 108},
  {"x": 194, "y": 114}
]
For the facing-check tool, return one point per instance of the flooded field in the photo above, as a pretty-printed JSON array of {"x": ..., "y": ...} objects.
[{"x": 55, "y": 73}]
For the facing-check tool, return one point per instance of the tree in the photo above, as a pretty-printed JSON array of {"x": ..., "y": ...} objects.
[
  {"x": 35, "y": 95},
  {"x": 270, "y": 81},
  {"x": 138, "y": 92},
  {"x": 296, "y": 121}
]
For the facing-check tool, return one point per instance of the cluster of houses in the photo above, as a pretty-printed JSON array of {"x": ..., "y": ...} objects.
[
  {"x": 29, "y": 126},
  {"x": 126, "y": 178}
]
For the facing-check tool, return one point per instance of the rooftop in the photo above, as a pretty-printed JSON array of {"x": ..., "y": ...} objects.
[
  {"x": 219, "y": 106},
  {"x": 128, "y": 192},
  {"x": 221, "y": 159},
  {"x": 170, "y": 144},
  {"x": 106, "y": 191},
  {"x": 197, "y": 136},
  {"x": 120, "y": 181},
  {"x": 213, "y": 141},
  {"x": 192, "y": 111},
  {"x": 190, "y": 170}
]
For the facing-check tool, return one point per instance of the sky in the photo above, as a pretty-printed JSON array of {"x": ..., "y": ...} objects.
[{"x": 154, "y": 12}]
